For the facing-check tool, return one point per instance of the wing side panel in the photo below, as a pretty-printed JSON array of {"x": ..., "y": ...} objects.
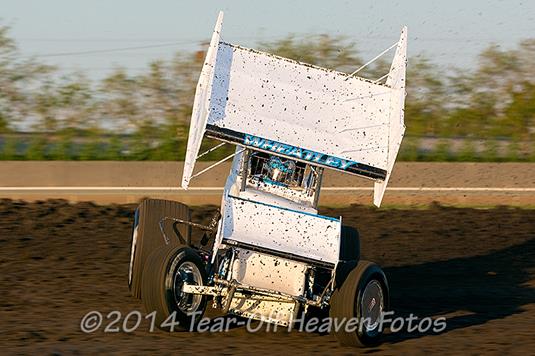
[
  {"x": 200, "y": 111},
  {"x": 396, "y": 80}
]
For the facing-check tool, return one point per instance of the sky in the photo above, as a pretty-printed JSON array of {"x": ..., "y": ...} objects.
[{"x": 131, "y": 33}]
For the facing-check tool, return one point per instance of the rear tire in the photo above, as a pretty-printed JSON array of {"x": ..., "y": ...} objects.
[
  {"x": 363, "y": 294},
  {"x": 349, "y": 244},
  {"x": 146, "y": 235},
  {"x": 166, "y": 269}
]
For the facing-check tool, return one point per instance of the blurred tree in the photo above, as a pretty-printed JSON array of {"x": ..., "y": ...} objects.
[
  {"x": 10, "y": 149},
  {"x": 19, "y": 79},
  {"x": 468, "y": 151},
  {"x": 141, "y": 146},
  {"x": 409, "y": 150},
  {"x": 490, "y": 150},
  {"x": 519, "y": 118},
  {"x": 45, "y": 106},
  {"x": 513, "y": 151},
  {"x": 120, "y": 102},
  {"x": 491, "y": 92},
  {"x": 91, "y": 149},
  {"x": 37, "y": 148},
  {"x": 114, "y": 149},
  {"x": 425, "y": 106},
  {"x": 531, "y": 157},
  {"x": 76, "y": 103},
  {"x": 148, "y": 113},
  {"x": 441, "y": 151},
  {"x": 62, "y": 148}
]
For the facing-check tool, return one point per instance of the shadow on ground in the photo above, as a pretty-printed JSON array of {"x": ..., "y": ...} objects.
[{"x": 480, "y": 288}]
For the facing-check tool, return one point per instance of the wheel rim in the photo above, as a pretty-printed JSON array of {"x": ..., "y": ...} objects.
[
  {"x": 188, "y": 273},
  {"x": 372, "y": 306}
]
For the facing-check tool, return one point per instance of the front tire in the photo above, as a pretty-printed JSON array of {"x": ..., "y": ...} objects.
[
  {"x": 166, "y": 270},
  {"x": 363, "y": 295}
]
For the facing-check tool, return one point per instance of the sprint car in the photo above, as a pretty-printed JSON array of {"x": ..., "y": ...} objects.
[{"x": 268, "y": 254}]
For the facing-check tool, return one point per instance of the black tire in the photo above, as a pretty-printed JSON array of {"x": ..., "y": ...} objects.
[
  {"x": 161, "y": 281},
  {"x": 349, "y": 244},
  {"x": 146, "y": 235},
  {"x": 348, "y": 300}
]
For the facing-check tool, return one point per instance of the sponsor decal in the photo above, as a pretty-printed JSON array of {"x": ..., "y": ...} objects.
[{"x": 292, "y": 151}]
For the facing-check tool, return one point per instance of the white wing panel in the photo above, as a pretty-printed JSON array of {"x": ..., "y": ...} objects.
[{"x": 304, "y": 106}]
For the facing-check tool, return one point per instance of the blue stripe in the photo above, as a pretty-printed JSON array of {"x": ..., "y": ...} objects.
[{"x": 287, "y": 209}]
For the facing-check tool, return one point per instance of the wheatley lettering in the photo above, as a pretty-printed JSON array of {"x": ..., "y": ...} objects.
[{"x": 297, "y": 152}]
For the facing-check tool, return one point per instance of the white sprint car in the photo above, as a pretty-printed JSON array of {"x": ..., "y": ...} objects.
[{"x": 273, "y": 257}]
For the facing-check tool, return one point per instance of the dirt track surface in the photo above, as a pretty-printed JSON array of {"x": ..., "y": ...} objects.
[{"x": 475, "y": 267}]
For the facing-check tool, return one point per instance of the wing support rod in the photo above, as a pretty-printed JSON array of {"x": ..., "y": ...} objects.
[
  {"x": 372, "y": 60},
  {"x": 217, "y": 163},
  {"x": 211, "y": 150}
]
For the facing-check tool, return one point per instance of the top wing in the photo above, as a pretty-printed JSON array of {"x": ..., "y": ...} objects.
[{"x": 305, "y": 112}]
